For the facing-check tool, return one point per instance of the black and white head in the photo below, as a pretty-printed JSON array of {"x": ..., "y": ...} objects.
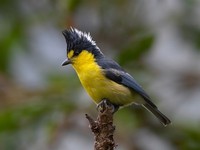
[{"x": 77, "y": 41}]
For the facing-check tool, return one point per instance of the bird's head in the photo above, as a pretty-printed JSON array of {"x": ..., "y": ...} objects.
[{"x": 80, "y": 47}]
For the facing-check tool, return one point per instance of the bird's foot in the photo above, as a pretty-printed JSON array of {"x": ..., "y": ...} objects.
[{"x": 106, "y": 104}]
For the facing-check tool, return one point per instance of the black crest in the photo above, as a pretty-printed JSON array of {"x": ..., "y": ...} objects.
[{"x": 78, "y": 41}]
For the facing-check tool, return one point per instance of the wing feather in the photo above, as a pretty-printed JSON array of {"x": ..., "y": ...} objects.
[{"x": 115, "y": 73}]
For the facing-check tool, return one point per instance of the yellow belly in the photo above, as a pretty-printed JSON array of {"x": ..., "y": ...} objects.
[{"x": 98, "y": 86}]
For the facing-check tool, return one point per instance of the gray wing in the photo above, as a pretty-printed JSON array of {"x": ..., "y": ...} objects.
[{"x": 127, "y": 80}]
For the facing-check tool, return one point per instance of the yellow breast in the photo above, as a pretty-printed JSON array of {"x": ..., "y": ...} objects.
[{"x": 96, "y": 84}]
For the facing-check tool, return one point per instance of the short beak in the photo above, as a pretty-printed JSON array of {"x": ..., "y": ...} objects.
[{"x": 66, "y": 62}]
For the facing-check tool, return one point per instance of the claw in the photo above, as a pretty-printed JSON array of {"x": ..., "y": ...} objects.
[{"x": 107, "y": 104}]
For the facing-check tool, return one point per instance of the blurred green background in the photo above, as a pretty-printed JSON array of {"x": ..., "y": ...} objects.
[{"x": 42, "y": 104}]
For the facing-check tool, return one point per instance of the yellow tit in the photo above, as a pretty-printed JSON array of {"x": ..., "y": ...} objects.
[{"x": 103, "y": 78}]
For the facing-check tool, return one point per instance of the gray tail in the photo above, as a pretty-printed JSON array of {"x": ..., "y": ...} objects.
[{"x": 154, "y": 110}]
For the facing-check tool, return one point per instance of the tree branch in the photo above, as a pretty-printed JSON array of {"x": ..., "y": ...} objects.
[{"x": 103, "y": 128}]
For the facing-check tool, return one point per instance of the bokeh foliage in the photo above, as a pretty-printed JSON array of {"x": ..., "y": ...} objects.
[{"x": 22, "y": 116}]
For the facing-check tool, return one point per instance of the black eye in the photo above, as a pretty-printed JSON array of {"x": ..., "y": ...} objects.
[{"x": 76, "y": 53}]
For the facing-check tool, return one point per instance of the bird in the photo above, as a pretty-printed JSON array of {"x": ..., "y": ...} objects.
[{"x": 102, "y": 77}]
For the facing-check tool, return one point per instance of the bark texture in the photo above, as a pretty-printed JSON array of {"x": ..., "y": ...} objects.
[{"x": 103, "y": 127}]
